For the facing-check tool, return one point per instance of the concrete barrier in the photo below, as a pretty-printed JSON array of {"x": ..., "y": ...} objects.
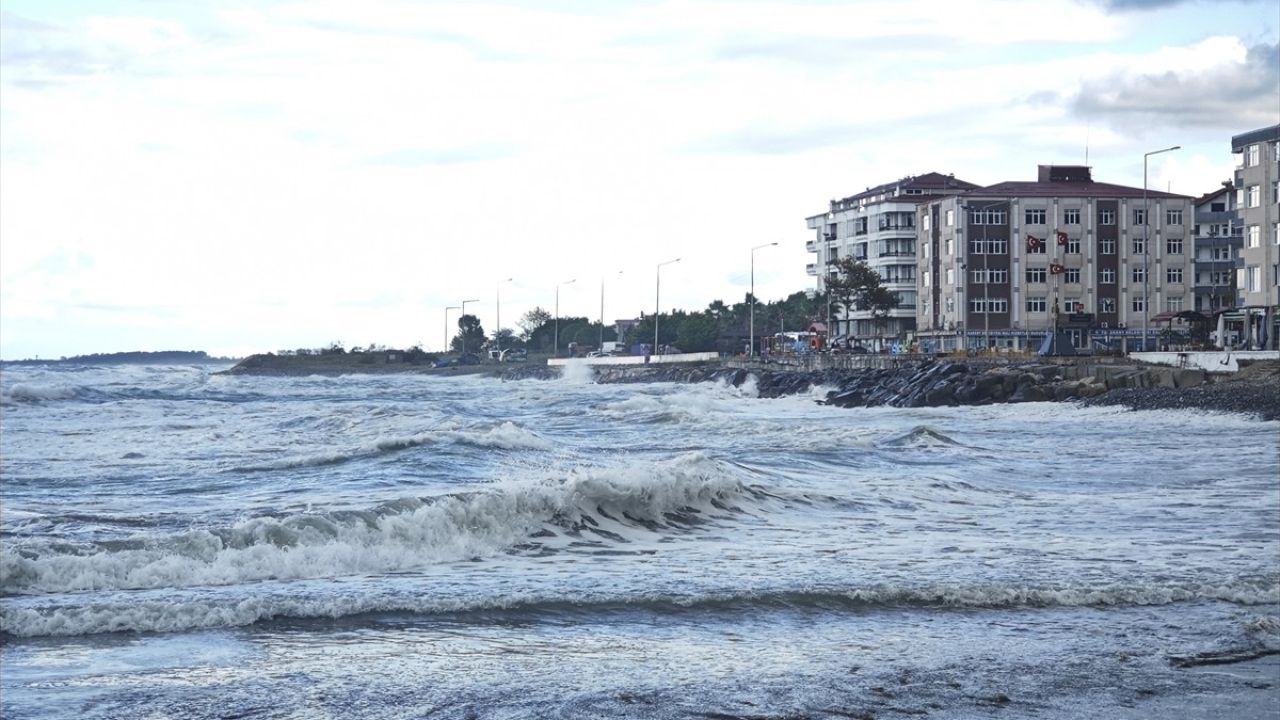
[
  {"x": 1226, "y": 361},
  {"x": 636, "y": 359}
]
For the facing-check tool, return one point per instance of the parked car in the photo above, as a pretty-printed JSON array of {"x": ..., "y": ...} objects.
[{"x": 515, "y": 355}]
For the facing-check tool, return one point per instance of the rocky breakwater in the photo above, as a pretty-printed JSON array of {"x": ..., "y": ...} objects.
[{"x": 939, "y": 383}]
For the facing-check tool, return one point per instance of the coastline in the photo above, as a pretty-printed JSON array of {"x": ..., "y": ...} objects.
[{"x": 1254, "y": 390}]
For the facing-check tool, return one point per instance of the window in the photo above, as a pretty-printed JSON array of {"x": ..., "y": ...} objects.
[
  {"x": 1173, "y": 217},
  {"x": 1107, "y": 305},
  {"x": 951, "y": 276},
  {"x": 1072, "y": 276},
  {"x": 924, "y": 250},
  {"x": 1073, "y": 246},
  {"x": 950, "y": 247},
  {"x": 1071, "y": 216},
  {"x": 1036, "y": 304},
  {"x": 1255, "y": 236},
  {"x": 924, "y": 221},
  {"x": 1106, "y": 217},
  {"x": 1139, "y": 216},
  {"x": 951, "y": 218},
  {"x": 1139, "y": 246},
  {"x": 990, "y": 277},
  {"x": 1173, "y": 246},
  {"x": 1173, "y": 304},
  {"x": 989, "y": 216},
  {"x": 924, "y": 278},
  {"x": 1139, "y": 303},
  {"x": 1107, "y": 247},
  {"x": 988, "y": 305},
  {"x": 1139, "y": 275},
  {"x": 989, "y": 246},
  {"x": 1035, "y": 275},
  {"x": 1254, "y": 278},
  {"x": 1252, "y": 155},
  {"x": 951, "y": 304},
  {"x": 1035, "y": 217},
  {"x": 1173, "y": 275},
  {"x": 1107, "y": 276},
  {"x": 1254, "y": 198},
  {"x": 860, "y": 226}
]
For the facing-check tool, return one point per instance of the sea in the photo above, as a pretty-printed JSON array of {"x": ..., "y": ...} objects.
[{"x": 180, "y": 543}]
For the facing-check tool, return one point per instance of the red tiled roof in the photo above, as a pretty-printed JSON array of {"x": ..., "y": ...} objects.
[{"x": 1067, "y": 189}]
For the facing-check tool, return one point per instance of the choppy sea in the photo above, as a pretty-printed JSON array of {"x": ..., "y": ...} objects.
[{"x": 175, "y": 543}]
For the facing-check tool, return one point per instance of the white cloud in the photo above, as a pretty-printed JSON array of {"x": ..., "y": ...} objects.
[{"x": 297, "y": 173}]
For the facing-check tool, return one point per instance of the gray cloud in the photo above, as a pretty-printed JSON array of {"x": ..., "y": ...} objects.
[{"x": 1229, "y": 95}]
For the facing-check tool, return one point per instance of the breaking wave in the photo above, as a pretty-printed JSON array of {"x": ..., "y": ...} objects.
[
  {"x": 210, "y": 610},
  {"x": 398, "y": 536}
]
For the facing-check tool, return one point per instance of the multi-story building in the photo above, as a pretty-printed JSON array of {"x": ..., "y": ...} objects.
[
  {"x": 877, "y": 226},
  {"x": 1007, "y": 265},
  {"x": 1218, "y": 238},
  {"x": 1257, "y": 195}
]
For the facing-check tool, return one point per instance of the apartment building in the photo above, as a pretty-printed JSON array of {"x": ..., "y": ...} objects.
[
  {"x": 1257, "y": 198},
  {"x": 877, "y": 226},
  {"x": 1218, "y": 240},
  {"x": 1006, "y": 265}
]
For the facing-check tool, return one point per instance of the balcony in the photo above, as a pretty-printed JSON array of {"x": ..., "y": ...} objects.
[
  {"x": 811, "y": 269},
  {"x": 811, "y": 245}
]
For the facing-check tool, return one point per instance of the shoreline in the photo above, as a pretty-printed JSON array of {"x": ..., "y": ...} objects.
[{"x": 1254, "y": 390}]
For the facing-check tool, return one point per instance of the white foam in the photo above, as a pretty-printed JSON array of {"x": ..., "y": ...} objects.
[{"x": 397, "y": 537}]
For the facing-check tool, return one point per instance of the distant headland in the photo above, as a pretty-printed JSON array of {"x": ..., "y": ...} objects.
[{"x": 161, "y": 357}]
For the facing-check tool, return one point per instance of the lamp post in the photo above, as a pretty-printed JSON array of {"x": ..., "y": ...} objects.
[
  {"x": 601, "y": 347},
  {"x": 446, "y": 325},
  {"x": 464, "y": 313},
  {"x": 753, "y": 299},
  {"x": 1146, "y": 245},
  {"x": 497, "y": 317},
  {"x": 657, "y": 294},
  {"x": 555, "y": 351}
]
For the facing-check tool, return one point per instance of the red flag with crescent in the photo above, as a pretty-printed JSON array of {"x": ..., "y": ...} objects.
[
  {"x": 1062, "y": 238},
  {"x": 1056, "y": 268},
  {"x": 1033, "y": 242}
]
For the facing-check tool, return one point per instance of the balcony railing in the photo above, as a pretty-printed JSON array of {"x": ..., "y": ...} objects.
[{"x": 811, "y": 268}]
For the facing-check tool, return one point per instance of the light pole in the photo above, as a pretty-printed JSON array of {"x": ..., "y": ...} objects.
[
  {"x": 657, "y": 294},
  {"x": 753, "y": 299},
  {"x": 601, "y": 348},
  {"x": 497, "y": 317},
  {"x": 555, "y": 351},
  {"x": 1146, "y": 245},
  {"x": 464, "y": 313},
  {"x": 446, "y": 325}
]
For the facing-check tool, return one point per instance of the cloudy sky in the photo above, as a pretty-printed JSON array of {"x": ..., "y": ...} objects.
[{"x": 249, "y": 176}]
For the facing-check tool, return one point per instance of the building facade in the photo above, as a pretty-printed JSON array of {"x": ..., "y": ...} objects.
[
  {"x": 1007, "y": 265},
  {"x": 877, "y": 226},
  {"x": 1258, "y": 201},
  {"x": 1218, "y": 240}
]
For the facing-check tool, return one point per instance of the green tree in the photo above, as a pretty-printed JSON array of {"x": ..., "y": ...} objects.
[
  {"x": 470, "y": 335},
  {"x": 697, "y": 332},
  {"x": 531, "y": 321},
  {"x": 856, "y": 286}
]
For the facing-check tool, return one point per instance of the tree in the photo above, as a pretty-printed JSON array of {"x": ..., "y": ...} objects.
[
  {"x": 697, "y": 332},
  {"x": 470, "y": 334},
  {"x": 531, "y": 321},
  {"x": 856, "y": 287}
]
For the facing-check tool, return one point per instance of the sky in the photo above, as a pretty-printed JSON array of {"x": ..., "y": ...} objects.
[{"x": 243, "y": 177}]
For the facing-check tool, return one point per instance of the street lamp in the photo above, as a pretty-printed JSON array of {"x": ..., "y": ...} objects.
[
  {"x": 752, "y": 352},
  {"x": 497, "y": 320},
  {"x": 446, "y": 325},
  {"x": 601, "y": 348},
  {"x": 556, "y": 350},
  {"x": 464, "y": 313},
  {"x": 657, "y": 293},
  {"x": 1146, "y": 246}
]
